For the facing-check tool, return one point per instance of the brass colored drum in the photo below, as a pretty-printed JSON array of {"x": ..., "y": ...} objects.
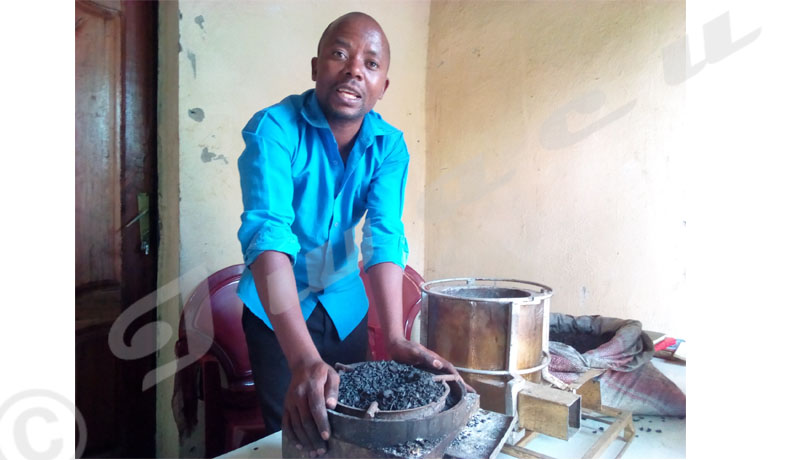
[{"x": 490, "y": 329}]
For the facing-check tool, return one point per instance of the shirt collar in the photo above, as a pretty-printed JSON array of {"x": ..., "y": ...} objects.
[
  {"x": 372, "y": 126},
  {"x": 312, "y": 112}
]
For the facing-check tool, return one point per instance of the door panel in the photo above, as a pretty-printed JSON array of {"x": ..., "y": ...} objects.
[
  {"x": 98, "y": 50},
  {"x": 115, "y": 162}
]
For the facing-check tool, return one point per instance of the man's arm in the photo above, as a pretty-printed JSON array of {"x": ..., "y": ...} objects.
[
  {"x": 314, "y": 383},
  {"x": 386, "y": 280},
  {"x": 385, "y": 250},
  {"x": 268, "y": 246}
]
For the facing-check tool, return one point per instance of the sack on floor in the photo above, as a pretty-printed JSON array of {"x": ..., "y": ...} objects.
[{"x": 619, "y": 346}]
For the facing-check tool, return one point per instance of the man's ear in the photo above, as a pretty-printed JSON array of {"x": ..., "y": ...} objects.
[
  {"x": 313, "y": 69},
  {"x": 385, "y": 87}
]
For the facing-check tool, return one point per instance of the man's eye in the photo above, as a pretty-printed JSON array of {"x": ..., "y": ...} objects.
[
  {"x": 372, "y": 65},
  {"x": 338, "y": 54}
]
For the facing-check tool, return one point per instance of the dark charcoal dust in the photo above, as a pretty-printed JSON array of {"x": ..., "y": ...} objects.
[
  {"x": 601, "y": 428},
  {"x": 395, "y": 386},
  {"x": 649, "y": 430},
  {"x": 580, "y": 341},
  {"x": 594, "y": 432},
  {"x": 658, "y": 431},
  {"x": 412, "y": 449},
  {"x": 471, "y": 441}
]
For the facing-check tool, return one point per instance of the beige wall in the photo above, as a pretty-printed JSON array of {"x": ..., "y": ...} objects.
[
  {"x": 550, "y": 132},
  {"x": 231, "y": 60},
  {"x": 540, "y": 136}
]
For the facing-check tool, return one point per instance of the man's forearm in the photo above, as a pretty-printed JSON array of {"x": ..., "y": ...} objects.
[
  {"x": 386, "y": 280},
  {"x": 275, "y": 283}
]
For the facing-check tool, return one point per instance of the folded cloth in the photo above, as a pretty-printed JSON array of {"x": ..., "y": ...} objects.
[{"x": 645, "y": 391}]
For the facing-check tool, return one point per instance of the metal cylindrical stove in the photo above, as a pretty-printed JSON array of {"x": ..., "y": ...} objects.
[{"x": 495, "y": 331}]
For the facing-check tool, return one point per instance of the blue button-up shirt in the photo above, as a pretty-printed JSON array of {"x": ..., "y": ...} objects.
[{"x": 301, "y": 200}]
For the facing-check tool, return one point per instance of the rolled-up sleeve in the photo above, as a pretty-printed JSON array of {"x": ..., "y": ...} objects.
[
  {"x": 265, "y": 171},
  {"x": 383, "y": 234}
]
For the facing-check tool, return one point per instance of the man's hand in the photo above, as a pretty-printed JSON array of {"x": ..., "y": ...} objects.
[
  {"x": 413, "y": 353},
  {"x": 386, "y": 280},
  {"x": 305, "y": 419},
  {"x": 313, "y": 387}
]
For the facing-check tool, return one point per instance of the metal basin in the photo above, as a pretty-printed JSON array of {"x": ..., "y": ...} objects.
[{"x": 375, "y": 432}]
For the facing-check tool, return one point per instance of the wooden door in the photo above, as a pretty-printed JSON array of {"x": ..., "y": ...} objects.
[{"x": 115, "y": 178}]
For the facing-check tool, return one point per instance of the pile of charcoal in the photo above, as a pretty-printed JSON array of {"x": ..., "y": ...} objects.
[
  {"x": 582, "y": 342},
  {"x": 393, "y": 385}
]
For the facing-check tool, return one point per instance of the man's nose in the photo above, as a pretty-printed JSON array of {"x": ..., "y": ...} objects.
[{"x": 353, "y": 69}]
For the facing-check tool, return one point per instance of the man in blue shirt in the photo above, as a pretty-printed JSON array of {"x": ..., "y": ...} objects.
[{"x": 313, "y": 165}]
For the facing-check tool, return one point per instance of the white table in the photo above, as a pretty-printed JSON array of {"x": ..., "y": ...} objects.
[
  {"x": 267, "y": 447},
  {"x": 670, "y": 443}
]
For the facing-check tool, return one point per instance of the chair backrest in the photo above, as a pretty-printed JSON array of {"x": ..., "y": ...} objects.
[
  {"x": 412, "y": 296},
  {"x": 213, "y": 316}
]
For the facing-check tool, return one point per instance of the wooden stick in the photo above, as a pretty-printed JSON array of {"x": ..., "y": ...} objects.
[
  {"x": 585, "y": 377},
  {"x": 445, "y": 378},
  {"x": 598, "y": 419},
  {"x": 624, "y": 448},
  {"x": 343, "y": 367},
  {"x": 552, "y": 379},
  {"x": 373, "y": 408},
  {"x": 608, "y": 437},
  {"x": 521, "y": 452},
  {"x": 528, "y": 437}
]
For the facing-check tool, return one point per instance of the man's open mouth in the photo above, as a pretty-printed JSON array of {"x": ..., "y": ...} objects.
[{"x": 348, "y": 94}]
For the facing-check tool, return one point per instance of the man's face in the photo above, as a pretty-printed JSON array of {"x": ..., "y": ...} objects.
[{"x": 350, "y": 71}]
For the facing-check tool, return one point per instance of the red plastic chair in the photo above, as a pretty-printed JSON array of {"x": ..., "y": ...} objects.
[
  {"x": 212, "y": 320},
  {"x": 412, "y": 300}
]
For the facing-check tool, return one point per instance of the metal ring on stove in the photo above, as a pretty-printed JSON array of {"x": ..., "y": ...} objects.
[{"x": 545, "y": 362}]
